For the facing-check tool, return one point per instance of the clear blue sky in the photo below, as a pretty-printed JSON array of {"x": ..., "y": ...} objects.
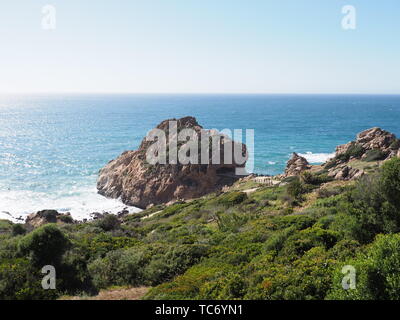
[{"x": 230, "y": 46}]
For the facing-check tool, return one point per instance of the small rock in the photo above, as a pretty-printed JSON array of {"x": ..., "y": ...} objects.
[
  {"x": 43, "y": 217},
  {"x": 123, "y": 213}
]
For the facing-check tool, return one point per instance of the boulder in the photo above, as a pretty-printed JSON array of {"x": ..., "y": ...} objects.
[
  {"x": 138, "y": 183},
  {"x": 296, "y": 165},
  {"x": 43, "y": 217},
  {"x": 345, "y": 172},
  {"x": 123, "y": 213},
  {"x": 342, "y": 173}
]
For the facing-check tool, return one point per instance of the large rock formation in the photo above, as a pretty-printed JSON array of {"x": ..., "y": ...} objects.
[
  {"x": 373, "y": 144},
  {"x": 296, "y": 165},
  {"x": 136, "y": 182},
  {"x": 371, "y": 139},
  {"x": 370, "y": 145}
]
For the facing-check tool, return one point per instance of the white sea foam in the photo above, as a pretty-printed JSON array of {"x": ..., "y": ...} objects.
[
  {"x": 316, "y": 158},
  {"x": 271, "y": 163},
  {"x": 80, "y": 203}
]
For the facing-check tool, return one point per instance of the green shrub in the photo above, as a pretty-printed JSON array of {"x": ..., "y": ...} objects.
[
  {"x": 395, "y": 145},
  {"x": 314, "y": 179},
  {"x": 333, "y": 201},
  {"x": 323, "y": 193},
  {"x": 231, "y": 221},
  {"x": 108, "y": 223},
  {"x": 189, "y": 285},
  {"x": 390, "y": 178},
  {"x": 100, "y": 244},
  {"x": 19, "y": 280},
  {"x": 73, "y": 276},
  {"x": 144, "y": 265},
  {"x": 298, "y": 222},
  {"x": 233, "y": 287},
  {"x": 5, "y": 226},
  {"x": 232, "y": 198},
  {"x": 44, "y": 246},
  {"x": 374, "y": 155},
  {"x": 175, "y": 261},
  {"x": 120, "y": 267},
  {"x": 267, "y": 194},
  {"x": 289, "y": 179},
  {"x": 18, "y": 229},
  {"x": 330, "y": 164},
  {"x": 377, "y": 272},
  {"x": 345, "y": 249},
  {"x": 365, "y": 210},
  {"x": 66, "y": 219},
  {"x": 301, "y": 242},
  {"x": 354, "y": 151},
  {"x": 373, "y": 206},
  {"x": 277, "y": 240},
  {"x": 173, "y": 209},
  {"x": 296, "y": 189},
  {"x": 306, "y": 278}
]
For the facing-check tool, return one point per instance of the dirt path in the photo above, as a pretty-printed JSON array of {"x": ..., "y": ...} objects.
[
  {"x": 151, "y": 214},
  {"x": 114, "y": 294},
  {"x": 248, "y": 191}
]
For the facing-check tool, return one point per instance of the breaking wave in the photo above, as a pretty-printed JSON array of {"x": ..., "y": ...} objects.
[
  {"x": 317, "y": 158},
  {"x": 16, "y": 205}
]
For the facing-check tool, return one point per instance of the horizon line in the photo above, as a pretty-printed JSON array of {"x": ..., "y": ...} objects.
[{"x": 194, "y": 93}]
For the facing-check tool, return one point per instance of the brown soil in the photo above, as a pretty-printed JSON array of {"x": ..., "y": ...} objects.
[{"x": 114, "y": 294}]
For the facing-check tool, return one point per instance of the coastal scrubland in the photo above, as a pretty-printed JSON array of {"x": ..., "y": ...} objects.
[{"x": 252, "y": 241}]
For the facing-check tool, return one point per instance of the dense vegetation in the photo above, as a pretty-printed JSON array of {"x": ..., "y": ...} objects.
[{"x": 283, "y": 242}]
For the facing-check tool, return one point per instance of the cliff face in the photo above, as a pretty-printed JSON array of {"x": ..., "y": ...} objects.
[{"x": 138, "y": 183}]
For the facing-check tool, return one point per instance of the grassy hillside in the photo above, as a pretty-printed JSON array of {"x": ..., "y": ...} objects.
[{"x": 288, "y": 241}]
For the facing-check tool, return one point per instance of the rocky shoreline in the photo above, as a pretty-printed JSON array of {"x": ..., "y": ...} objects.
[
  {"x": 42, "y": 217},
  {"x": 136, "y": 183},
  {"x": 142, "y": 185}
]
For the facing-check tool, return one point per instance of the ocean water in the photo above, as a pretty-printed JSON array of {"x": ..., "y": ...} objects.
[{"x": 52, "y": 146}]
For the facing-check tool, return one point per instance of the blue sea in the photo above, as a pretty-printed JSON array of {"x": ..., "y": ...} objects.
[{"x": 52, "y": 146}]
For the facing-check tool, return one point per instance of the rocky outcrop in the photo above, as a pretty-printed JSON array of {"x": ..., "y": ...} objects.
[
  {"x": 373, "y": 144},
  {"x": 136, "y": 182},
  {"x": 296, "y": 165},
  {"x": 371, "y": 139},
  {"x": 344, "y": 172},
  {"x": 43, "y": 217},
  {"x": 370, "y": 145}
]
